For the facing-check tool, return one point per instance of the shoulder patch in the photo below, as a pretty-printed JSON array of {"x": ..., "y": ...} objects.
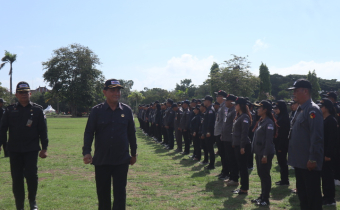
[
  {"x": 245, "y": 121},
  {"x": 210, "y": 112},
  {"x": 312, "y": 114},
  {"x": 270, "y": 127}
]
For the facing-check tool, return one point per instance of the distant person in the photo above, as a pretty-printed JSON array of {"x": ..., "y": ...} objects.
[
  {"x": 112, "y": 125},
  {"x": 26, "y": 123},
  {"x": 195, "y": 125},
  {"x": 184, "y": 127},
  {"x": 306, "y": 146},
  {"x": 4, "y": 143}
]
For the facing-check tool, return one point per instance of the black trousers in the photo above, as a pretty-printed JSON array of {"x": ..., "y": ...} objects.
[
  {"x": 186, "y": 141},
  {"x": 146, "y": 127},
  {"x": 159, "y": 132},
  {"x": 178, "y": 134},
  {"x": 165, "y": 135},
  {"x": 118, "y": 174},
  {"x": 263, "y": 170},
  {"x": 197, "y": 146},
  {"x": 171, "y": 139},
  {"x": 282, "y": 160},
  {"x": 308, "y": 189},
  {"x": 222, "y": 154},
  {"x": 24, "y": 164},
  {"x": 336, "y": 166},
  {"x": 205, "y": 150},
  {"x": 327, "y": 175},
  {"x": 231, "y": 161},
  {"x": 242, "y": 162},
  {"x": 209, "y": 142}
]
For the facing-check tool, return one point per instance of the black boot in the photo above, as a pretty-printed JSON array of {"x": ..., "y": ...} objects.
[{"x": 33, "y": 205}]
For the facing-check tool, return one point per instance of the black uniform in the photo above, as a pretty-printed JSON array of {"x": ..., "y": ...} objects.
[
  {"x": 4, "y": 143},
  {"x": 26, "y": 126},
  {"x": 208, "y": 127},
  {"x": 195, "y": 124}
]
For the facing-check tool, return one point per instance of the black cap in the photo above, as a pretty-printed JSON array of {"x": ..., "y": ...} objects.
[
  {"x": 209, "y": 98},
  {"x": 112, "y": 83},
  {"x": 331, "y": 94},
  {"x": 197, "y": 107},
  {"x": 249, "y": 103},
  {"x": 23, "y": 86},
  {"x": 186, "y": 102},
  {"x": 221, "y": 93},
  {"x": 265, "y": 104},
  {"x": 301, "y": 83},
  {"x": 279, "y": 103},
  {"x": 326, "y": 103},
  {"x": 193, "y": 101},
  {"x": 216, "y": 103},
  {"x": 2, "y": 100},
  {"x": 156, "y": 102},
  {"x": 170, "y": 101},
  {"x": 179, "y": 103},
  {"x": 174, "y": 105},
  {"x": 240, "y": 100},
  {"x": 147, "y": 105},
  {"x": 198, "y": 100},
  {"x": 231, "y": 97},
  {"x": 246, "y": 98},
  {"x": 291, "y": 102}
]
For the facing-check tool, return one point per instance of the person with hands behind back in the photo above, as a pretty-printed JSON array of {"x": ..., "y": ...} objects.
[
  {"x": 113, "y": 126},
  {"x": 264, "y": 149}
]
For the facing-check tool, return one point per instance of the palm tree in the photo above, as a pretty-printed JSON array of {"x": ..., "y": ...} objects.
[
  {"x": 135, "y": 95},
  {"x": 9, "y": 58}
]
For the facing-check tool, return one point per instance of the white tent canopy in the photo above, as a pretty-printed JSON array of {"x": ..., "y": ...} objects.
[{"x": 49, "y": 109}]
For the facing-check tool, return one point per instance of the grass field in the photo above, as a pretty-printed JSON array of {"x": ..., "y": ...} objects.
[{"x": 160, "y": 179}]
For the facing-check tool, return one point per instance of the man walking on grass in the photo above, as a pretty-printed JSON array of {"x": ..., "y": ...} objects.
[{"x": 113, "y": 126}]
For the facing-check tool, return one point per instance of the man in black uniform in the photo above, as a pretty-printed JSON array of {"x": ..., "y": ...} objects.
[
  {"x": 4, "y": 144},
  {"x": 26, "y": 123},
  {"x": 208, "y": 131},
  {"x": 169, "y": 124},
  {"x": 113, "y": 126}
]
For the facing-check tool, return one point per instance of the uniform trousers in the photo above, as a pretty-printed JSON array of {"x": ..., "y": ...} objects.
[
  {"x": 186, "y": 135},
  {"x": 171, "y": 140},
  {"x": 165, "y": 135},
  {"x": 118, "y": 174},
  {"x": 308, "y": 188},
  {"x": 263, "y": 170},
  {"x": 327, "y": 175},
  {"x": 178, "y": 134},
  {"x": 197, "y": 146},
  {"x": 231, "y": 161},
  {"x": 24, "y": 165},
  {"x": 282, "y": 160},
  {"x": 159, "y": 132},
  {"x": 222, "y": 153},
  {"x": 209, "y": 142},
  {"x": 242, "y": 162}
]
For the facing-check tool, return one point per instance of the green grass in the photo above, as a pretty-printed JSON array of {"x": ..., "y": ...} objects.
[{"x": 160, "y": 179}]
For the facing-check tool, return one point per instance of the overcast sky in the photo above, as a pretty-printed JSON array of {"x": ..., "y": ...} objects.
[{"x": 158, "y": 43}]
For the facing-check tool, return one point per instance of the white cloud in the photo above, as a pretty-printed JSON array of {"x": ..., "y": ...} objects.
[
  {"x": 177, "y": 68},
  {"x": 326, "y": 70},
  {"x": 259, "y": 45}
]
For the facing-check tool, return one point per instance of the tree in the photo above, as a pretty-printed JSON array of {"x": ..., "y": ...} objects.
[
  {"x": 315, "y": 85},
  {"x": 72, "y": 74},
  {"x": 9, "y": 58},
  {"x": 127, "y": 84},
  {"x": 136, "y": 96},
  {"x": 186, "y": 86},
  {"x": 4, "y": 93},
  {"x": 214, "y": 78},
  {"x": 265, "y": 84}
]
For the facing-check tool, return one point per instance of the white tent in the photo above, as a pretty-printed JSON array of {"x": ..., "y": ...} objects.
[{"x": 49, "y": 109}]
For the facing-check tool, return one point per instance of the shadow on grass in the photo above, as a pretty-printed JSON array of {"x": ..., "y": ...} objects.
[
  {"x": 294, "y": 202},
  {"x": 187, "y": 162},
  {"x": 279, "y": 193},
  {"x": 200, "y": 173}
]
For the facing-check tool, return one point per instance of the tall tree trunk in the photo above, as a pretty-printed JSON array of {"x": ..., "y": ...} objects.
[{"x": 10, "y": 80}]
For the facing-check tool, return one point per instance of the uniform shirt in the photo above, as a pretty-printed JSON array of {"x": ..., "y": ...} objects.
[
  {"x": 330, "y": 136},
  {"x": 220, "y": 116},
  {"x": 23, "y": 138},
  {"x": 191, "y": 115},
  {"x": 114, "y": 131},
  {"x": 209, "y": 121},
  {"x": 178, "y": 117},
  {"x": 263, "y": 138},
  {"x": 282, "y": 141},
  {"x": 170, "y": 118},
  {"x": 200, "y": 129},
  {"x": 240, "y": 131},
  {"x": 184, "y": 125},
  {"x": 158, "y": 117},
  {"x": 1, "y": 113},
  {"x": 195, "y": 124},
  {"x": 227, "y": 128},
  {"x": 306, "y": 138}
]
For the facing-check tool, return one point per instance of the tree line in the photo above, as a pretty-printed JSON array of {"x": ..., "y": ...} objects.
[{"x": 76, "y": 82}]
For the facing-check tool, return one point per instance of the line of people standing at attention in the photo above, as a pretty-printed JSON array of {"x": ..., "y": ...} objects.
[{"x": 306, "y": 139}]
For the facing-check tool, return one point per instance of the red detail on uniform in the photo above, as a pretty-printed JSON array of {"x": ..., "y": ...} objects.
[{"x": 312, "y": 115}]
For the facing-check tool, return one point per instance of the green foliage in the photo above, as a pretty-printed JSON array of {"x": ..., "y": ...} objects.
[
  {"x": 9, "y": 58},
  {"x": 214, "y": 78},
  {"x": 4, "y": 93},
  {"x": 186, "y": 86},
  {"x": 72, "y": 74},
  {"x": 135, "y": 97},
  {"x": 265, "y": 85},
  {"x": 315, "y": 85}
]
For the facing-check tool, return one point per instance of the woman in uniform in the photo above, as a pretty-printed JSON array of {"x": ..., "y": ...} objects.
[
  {"x": 264, "y": 149},
  {"x": 203, "y": 110},
  {"x": 241, "y": 142},
  {"x": 194, "y": 129}
]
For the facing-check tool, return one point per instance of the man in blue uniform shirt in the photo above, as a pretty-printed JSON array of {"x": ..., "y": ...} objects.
[{"x": 113, "y": 126}]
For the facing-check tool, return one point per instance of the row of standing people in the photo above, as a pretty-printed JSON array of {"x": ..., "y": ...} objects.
[{"x": 241, "y": 129}]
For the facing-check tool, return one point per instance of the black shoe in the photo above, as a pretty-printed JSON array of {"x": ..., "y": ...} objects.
[
  {"x": 178, "y": 150},
  {"x": 256, "y": 200},
  {"x": 191, "y": 156},
  {"x": 329, "y": 202},
  {"x": 263, "y": 203},
  {"x": 238, "y": 191},
  {"x": 223, "y": 177},
  {"x": 184, "y": 153},
  {"x": 281, "y": 183},
  {"x": 33, "y": 205},
  {"x": 209, "y": 167}
]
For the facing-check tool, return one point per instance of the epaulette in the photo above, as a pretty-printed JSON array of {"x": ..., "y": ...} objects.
[
  {"x": 98, "y": 105},
  {"x": 126, "y": 105},
  {"x": 10, "y": 106},
  {"x": 37, "y": 105}
]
